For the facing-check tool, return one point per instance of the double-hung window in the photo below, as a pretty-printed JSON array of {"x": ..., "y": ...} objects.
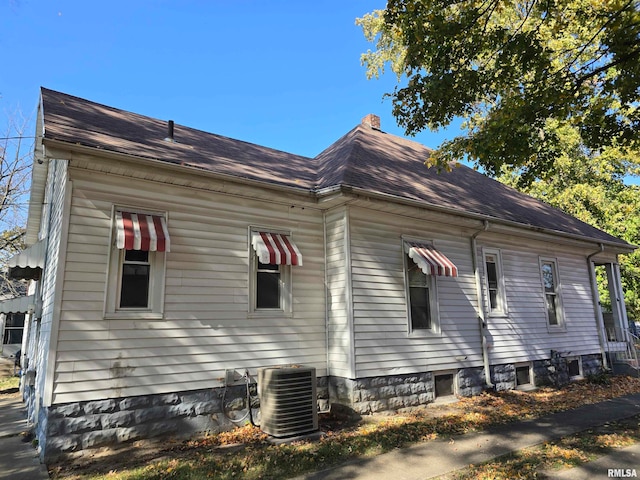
[
  {"x": 423, "y": 263},
  {"x": 137, "y": 264},
  {"x": 551, "y": 288},
  {"x": 273, "y": 254},
  {"x": 494, "y": 282}
]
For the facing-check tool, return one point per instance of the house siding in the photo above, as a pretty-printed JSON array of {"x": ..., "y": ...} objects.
[
  {"x": 40, "y": 346},
  {"x": 339, "y": 329},
  {"x": 522, "y": 334},
  {"x": 206, "y": 325},
  {"x": 382, "y": 343}
]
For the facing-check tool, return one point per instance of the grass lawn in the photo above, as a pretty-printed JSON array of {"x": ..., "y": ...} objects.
[{"x": 245, "y": 452}]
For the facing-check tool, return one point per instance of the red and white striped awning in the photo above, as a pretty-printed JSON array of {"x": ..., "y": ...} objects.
[
  {"x": 140, "y": 231},
  {"x": 430, "y": 260},
  {"x": 275, "y": 249}
]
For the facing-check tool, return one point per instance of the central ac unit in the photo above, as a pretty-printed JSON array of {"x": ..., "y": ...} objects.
[{"x": 288, "y": 404}]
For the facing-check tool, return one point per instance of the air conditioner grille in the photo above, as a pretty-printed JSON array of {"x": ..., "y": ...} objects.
[{"x": 288, "y": 403}]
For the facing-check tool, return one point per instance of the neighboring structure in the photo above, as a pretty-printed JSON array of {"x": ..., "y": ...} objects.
[
  {"x": 14, "y": 304},
  {"x": 177, "y": 263}
]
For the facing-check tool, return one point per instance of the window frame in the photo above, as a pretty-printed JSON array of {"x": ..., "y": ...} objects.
[
  {"x": 285, "y": 281},
  {"x": 559, "y": 309},
  {"x": 524, "y": 386},
  {"x": 432, "y": 285},
  {"x": 157, "y": 276},
  {"x": 578, "y": 359},
  {"x": 501, "y": 297}
]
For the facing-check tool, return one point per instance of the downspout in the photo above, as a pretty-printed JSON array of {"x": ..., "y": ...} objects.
[
  {"x": 326, "y": 295},
  {"x": 482, "y": 324},
  {"x": 596, "y": 303}
]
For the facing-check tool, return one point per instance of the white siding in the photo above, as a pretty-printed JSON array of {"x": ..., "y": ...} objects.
[
  {"x": 522, "y": 334},
  {"x": 206, "y": 326},
  {"x": 40, "y": 348},
  {"x": 339, "y": 329},
  {"x": 382, "y": 343}
]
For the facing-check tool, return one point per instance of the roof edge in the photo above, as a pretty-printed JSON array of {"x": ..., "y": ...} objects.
[
  {"x": 85, "y": 149},
  {"x": 347, "y": 190}
]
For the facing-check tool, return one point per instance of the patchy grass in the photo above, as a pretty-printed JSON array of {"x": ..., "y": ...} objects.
[
  {"x": 567, "y": 452},
  {"x": 245, "y": 452},
  {"x": 9, "y": 384}
]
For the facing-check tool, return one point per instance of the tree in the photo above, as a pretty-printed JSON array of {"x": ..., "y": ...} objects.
[
  {"x": 592, "y": 188},
  {"x": 515, "y": 71},
  {"x": 16, "y": 158}
]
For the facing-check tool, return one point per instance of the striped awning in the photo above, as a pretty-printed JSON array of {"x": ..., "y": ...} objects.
[
  {"x": 430, "y": 260},
  {"x": 140, "y": 231},
  {"x": 275, "y": 249}
]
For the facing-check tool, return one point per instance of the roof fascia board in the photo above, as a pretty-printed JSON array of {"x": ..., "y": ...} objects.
[
  {"x": 154, "y": 162},
  {"x": 39, "y": 173},
  {"x": 507, "y": 226}
]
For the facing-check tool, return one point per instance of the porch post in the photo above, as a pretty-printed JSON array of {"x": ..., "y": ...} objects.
[
  {"x": 598, "y": 311},
  {"x": 617, "y": 300}
]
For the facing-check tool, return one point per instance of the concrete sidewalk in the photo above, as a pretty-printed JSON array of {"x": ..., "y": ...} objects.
[
  {"x": 18, "y": 459},
  {"x": 439, "y": 457}
]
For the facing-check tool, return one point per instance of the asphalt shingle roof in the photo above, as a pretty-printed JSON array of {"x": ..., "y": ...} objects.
[{"x": 364, "y": 158}]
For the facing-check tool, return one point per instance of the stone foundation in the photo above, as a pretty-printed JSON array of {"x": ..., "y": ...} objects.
[
  {"x": 591, "y": 364},
  {"x": 503, "y": 376},
  {"x": 403, "y": 393},
  {"x": 63, "y": 429}
]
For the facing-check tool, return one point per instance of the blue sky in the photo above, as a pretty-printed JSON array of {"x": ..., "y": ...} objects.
[
  {"x": 285, "y": 74},
  {"x": 281, "y": 73}
]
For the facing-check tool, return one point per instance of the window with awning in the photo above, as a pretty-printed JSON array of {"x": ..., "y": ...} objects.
[
  {"x": 136, "y": 268},
  {"x": 272, "y": 258},
  {"x": 275, "y": 249},
  {"x": 430, "y": 260},
  {"x": 141, "y": 231}
]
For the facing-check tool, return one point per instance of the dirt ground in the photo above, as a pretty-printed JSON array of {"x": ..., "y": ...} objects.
[{"x": 6, "y": 367}]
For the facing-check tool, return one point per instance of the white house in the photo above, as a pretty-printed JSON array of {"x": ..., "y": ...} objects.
[{"x": 177, "y": 263}]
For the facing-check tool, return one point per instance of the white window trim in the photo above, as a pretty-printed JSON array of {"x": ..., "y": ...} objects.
[
  {"x": 435, "y": 329},
  {"x": 503, "y": 310},
  {"x": 561, "y": 326},
  {"x": 286, "y": 279},
  {"x": 157, "y": 275}
]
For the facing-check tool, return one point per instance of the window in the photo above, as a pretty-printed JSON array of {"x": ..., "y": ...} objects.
[
  {"x": 444, "y": 385},
  {"x": 575, "y": 367},
  {"x": 551, "y": 288},
  {"x": 272, "y": 257},
  {"x": 494, "y": 282},
  {"x": 523, "y": 376},
  {"x": 268, "y": 286},
  {"x": 420, "y": 288},
  {"x": 135, "y": 286},
  {"x": 422, "y": 264}
]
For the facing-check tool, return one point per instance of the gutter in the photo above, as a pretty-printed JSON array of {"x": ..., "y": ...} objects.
[
  {"x": 357, "y": 191},
  {"x": 596, "y": 303},
  {"x": 482, "y": 324}
]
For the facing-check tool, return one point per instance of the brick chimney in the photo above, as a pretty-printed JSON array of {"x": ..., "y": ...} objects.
[{"x": 371, "y": 121}]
